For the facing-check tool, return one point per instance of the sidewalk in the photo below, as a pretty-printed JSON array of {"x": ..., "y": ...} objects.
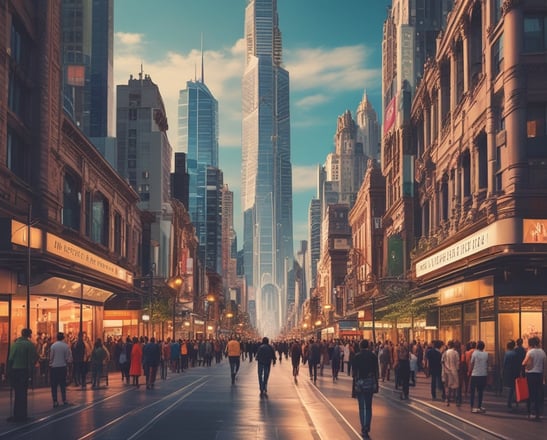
[
  {"x": 497, "y": 420},
  {"x": 40, "y": 402}
]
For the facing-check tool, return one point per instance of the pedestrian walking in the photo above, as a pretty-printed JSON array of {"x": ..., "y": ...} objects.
[
  {"x": 151, "y": 356},
  {"x": 60, "y": 356},
  {"x": 296, "y": 356},
  {"x": 135, "y": 367},
  {"x": 479, "y": 373},
  {"x": 535, "y": 365},
  {"x": 79, "y": 361},
  {"x": 510, "y": 371},
  {"x": 434, "y": 367},
  {"x": 21, "y": 361},
  {"x": 265, "y": 355},
  {"x": 336, "y": 357},
  {"x": 365, "y": 367},
  {"x": 233, "y": 350},
  {"x": 314, "y": 357},
  {"x": 402, "y": 367},
  {"x": 99, "y": 357},
  {"x": 385, "y": 361},
  {"x": 450, "y": 361}
]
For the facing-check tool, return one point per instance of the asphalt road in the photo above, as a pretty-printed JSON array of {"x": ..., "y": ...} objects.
[{"x": 202, "y": 404}]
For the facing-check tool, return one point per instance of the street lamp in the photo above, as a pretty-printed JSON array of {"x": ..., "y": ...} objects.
[{"x": 209, "y": 299}]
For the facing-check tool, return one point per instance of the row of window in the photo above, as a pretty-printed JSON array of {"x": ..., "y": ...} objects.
[{"x": 97, "y": 216}]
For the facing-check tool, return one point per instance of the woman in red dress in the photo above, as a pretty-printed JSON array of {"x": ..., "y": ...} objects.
[{"x": 135, "y": 370}]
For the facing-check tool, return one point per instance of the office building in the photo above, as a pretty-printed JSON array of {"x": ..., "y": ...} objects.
[{"x": 266, "y": 171}]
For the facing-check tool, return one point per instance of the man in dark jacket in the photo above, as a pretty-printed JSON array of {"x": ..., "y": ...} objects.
[
  {"x": 151, "y": 356},
  {"x": 314, "y": 359},
  {"x": 265, "y": 355},
  {"x": 365, "y": 365},
  {"x": 433, "y": 358}
]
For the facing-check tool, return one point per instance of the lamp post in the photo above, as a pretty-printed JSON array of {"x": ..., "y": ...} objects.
[
  {"x": 178, "y": 283},
  {"x": 209, "y": 300}
]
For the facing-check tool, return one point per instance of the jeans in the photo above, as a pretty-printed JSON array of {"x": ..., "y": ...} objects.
[
  {"x": 436, "y": 383},
  {"x": 58, "y": 379},
  {"x": 313, "y": 370},
  {"x": 19, "y": 379},
  {"x": 96, "y": 373},
  {"x": 535, "y": 387},
  {"x": 403, "y": 375},
  {"x": 234, "y": 366},
  {"x": 365, "y": 411},
  {"x": 478, "y": 383},
  {"x": 263, "y": 375}
]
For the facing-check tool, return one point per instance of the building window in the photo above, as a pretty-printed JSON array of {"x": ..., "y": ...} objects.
[
  {"x": 444, "y": 199},
  {"x": 535, "y": 34},
  {"x": 118, "y": 237},
  {"x": 497, "y": 57},
  {"x": 20, "y": 65},
  {"x": 99, "y": 219},
  {"x": 466, "y": 171},
  {"x": 475, "y": 45},
  {"x": 18, "y": 156},
  {"x": 458, "y": 59},
  {"x": 536, "y": 120},
  {"x": 483, "y": 160},
  {"x": 72, "y": 199}
]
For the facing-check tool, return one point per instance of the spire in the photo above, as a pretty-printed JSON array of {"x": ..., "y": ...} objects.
[{"x": 202, "y": 73}]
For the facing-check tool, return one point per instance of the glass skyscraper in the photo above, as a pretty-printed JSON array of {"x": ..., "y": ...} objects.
[
  {"x": 266, "y": 169},
  {"x": 198, "y": 136}
]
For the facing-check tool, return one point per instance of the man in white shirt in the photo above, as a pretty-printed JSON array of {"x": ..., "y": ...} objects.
[
  {"x": 534, "y": 363},
  {"x": 60, "y": 356}
]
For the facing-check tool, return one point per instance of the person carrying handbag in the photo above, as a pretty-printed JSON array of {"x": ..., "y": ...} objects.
[{"x": 365, "y": 378}]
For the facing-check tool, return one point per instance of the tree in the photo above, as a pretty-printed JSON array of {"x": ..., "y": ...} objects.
[{"x": 401, "y": 305}]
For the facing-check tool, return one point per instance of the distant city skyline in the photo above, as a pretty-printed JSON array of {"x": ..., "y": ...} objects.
[{"x": 332, "y": 49}]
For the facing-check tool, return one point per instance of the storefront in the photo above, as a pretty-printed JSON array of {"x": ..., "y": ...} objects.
[
  {"x": 489, "y": 286},
  {"x": 63, "y": 288}
]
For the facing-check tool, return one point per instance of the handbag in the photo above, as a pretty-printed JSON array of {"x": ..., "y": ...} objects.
[
  {"x": 521, "y": 389},
  {"x": 367, "y": 385}
]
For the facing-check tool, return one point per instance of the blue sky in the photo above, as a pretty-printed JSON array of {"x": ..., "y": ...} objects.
[{"x": 331, "y": 48}]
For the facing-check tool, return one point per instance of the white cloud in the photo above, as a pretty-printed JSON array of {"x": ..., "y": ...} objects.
[
  {"x": 339, "y": 68},
  {"x": 128, "y": 39},
  {"x": 312, "y": 100},
  {"x": 304, "y": 178},
  {"x": 222, "y": 71}
]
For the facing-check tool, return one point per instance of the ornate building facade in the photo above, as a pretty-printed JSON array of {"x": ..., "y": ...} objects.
[{"x": 479, "y": 135}]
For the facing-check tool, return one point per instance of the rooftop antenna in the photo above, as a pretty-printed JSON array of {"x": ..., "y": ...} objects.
[{"x": 202, "y": 74}]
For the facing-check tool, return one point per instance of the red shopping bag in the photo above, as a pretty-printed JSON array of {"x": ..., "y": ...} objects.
[{"x": 521, "y": 389}]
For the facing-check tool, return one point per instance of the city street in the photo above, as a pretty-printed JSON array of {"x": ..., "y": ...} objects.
[{"x": 201, "y": 404}]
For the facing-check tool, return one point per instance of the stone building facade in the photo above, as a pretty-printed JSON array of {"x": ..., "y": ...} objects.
[
  {"x": 479, "y": 136},
  {"x": 71, "y": 230}
]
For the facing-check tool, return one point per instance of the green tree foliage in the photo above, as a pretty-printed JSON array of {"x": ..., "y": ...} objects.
[{"x": 401, "y": 306}]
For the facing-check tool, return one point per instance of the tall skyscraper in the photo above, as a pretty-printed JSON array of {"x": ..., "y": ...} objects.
[
  {"x": 368, "y": 129},
  {"x": 198, "y": 136},
  {"x": 314, "y": 228},
  {"x": 345, "y": 167},
  {"x": 144, "y": 157},
  {"x": 88, "y": 50},
  {"x": 266, "y": 170}
]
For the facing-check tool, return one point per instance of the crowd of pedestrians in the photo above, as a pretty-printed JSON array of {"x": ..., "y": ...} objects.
[{"x": 456, "y": 371}]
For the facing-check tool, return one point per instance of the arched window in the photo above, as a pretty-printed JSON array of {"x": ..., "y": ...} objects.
[
  {"x": 99, "y": 219},
  {"x": 72, "y": 200},
  {"x": 476, "y": 44}
]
